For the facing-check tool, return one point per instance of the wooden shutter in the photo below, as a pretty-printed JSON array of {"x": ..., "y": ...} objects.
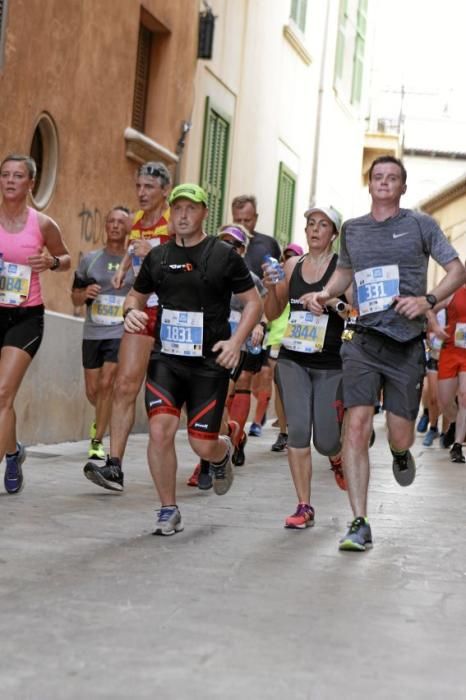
[
  {"x": 285, "y": 205},
  {"x": 214, "y": 162},
  {"x": 141, "y": 80}
]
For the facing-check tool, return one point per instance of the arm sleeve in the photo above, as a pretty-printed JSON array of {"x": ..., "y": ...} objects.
[{"x": 80, "y": 275}]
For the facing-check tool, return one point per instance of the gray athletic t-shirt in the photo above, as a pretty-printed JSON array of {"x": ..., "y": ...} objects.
[
  {"x": 102, "y": 320},
  {"x": 390, "y": 253}
]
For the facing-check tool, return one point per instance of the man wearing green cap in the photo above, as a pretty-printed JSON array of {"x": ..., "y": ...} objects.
[{"x": 194, "y": 276}]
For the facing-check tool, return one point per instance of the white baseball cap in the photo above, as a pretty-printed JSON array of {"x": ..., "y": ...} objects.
[{"x": 330, "y": 212}]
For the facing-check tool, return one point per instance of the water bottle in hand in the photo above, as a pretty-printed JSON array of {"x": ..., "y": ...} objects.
[
  {"x": 274, "y": 269},
  {"x": 253, "y": 349}
]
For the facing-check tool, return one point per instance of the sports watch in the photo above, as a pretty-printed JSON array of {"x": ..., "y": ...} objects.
[
  {"x": 431, "y": 299},
  {"x": 56, "y": 263}
]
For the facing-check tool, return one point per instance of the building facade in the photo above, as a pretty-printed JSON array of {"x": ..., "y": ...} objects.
[{"x": 92, "y": 89}]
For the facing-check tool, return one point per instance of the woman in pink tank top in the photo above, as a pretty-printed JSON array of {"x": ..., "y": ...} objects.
[{"x": 30, "y": 243}]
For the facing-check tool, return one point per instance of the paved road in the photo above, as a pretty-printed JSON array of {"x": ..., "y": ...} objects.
[{"x": 235, "y": 607}]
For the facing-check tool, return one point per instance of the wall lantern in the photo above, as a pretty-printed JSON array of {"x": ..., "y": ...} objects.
[{"x": 206, "y": 33}]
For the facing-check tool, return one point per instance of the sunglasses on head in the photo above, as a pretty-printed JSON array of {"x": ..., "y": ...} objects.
[
  {"x": 153, "y": 172},
  {"x": 235, "y": 244}
]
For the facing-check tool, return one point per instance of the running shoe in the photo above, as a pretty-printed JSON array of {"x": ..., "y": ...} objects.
[
  {"x": 337, "y": 468},
  {"x": 302, "y": 518},
  {"x": 255, "y": 430},
  {"x": 13, "y": 478},
  {"x": 358, "y": 538},
  {"x": 205, "y": 476},
  {"x": 194, "y": 478},
  {"x": 281, "y": 443},
  {"x": 431, "y": 435},
  {"x": 404, "y": 468},
  {"x": 422, "y": 423},
  {"x": 223, "y": 472},
  {"x": 456, "y": 454},
  {"x": 239, "y": 457},
  {"x": 449, "y": 436},
  {"x": 168, "y": 521},
  {"x": 92, "y": 430},
  {"x": 109, "y": 476},
  {"x": 96, "y": 450}
]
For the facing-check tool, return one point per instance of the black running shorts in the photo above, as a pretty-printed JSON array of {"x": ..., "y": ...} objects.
[
  {"x": 22, "y": 327},
  {"x": 202, "y": 385},
  {"x": 97, "y": 352}
]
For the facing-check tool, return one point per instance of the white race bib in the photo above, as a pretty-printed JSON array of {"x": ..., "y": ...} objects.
[
  {"x": 182, "y": 332},
  {"x": 15, "y": 281},
  {"x": 377, "y": 287},
  {"x": 107, "y": 310},
  {"x": 305, "y": 332},
  {"x": 460, "y": 335}
]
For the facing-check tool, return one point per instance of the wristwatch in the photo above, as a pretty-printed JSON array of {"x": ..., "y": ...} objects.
[
  {"x": 340, "y": 306},
  {"x": 56, "y": 263},
  {"x": 431, "y": 299},
  {"x": 126, "y": 312}
]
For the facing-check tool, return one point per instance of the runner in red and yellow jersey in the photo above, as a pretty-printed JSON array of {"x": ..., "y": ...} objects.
[{"x": 150, "y": 228}]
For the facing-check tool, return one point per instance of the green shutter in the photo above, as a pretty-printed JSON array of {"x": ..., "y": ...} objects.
[
  {"x": 214, "y": 163},
  {"x": 285, "y": 205},
  {"x": 340, "y": 50},
  {"x": 298, "y": 13},
  {"x": 359, "y": 47}
]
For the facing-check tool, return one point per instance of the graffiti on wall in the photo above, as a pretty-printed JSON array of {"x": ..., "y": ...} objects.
[{"x": 92, "y": 226}]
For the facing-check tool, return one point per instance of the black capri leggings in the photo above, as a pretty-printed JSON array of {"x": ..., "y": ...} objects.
[{"x": 313, "y": 402}]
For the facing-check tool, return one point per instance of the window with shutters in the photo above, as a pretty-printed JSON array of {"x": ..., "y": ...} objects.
[
  {"x": 214, "y": 164},
  {"x": 141, "y": 81},
  {"x": 298, "y": 13},
  {"x": 350, "y": 50},
  {"x": 285, "y": 205},
  {"x": 3, "y": 12}
]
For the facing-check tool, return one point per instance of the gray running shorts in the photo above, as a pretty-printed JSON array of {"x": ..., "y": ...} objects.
[
  {"x": 375, "y": 363},
  {"x": 312, "y": 399}
]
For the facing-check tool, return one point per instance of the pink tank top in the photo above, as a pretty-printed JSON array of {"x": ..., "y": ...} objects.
[{"x": 17, "y": 247}]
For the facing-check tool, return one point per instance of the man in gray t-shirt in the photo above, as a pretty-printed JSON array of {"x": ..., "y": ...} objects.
[
  {"x": 384, "y": 255},
  {"x": 103, "y": 325}
]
